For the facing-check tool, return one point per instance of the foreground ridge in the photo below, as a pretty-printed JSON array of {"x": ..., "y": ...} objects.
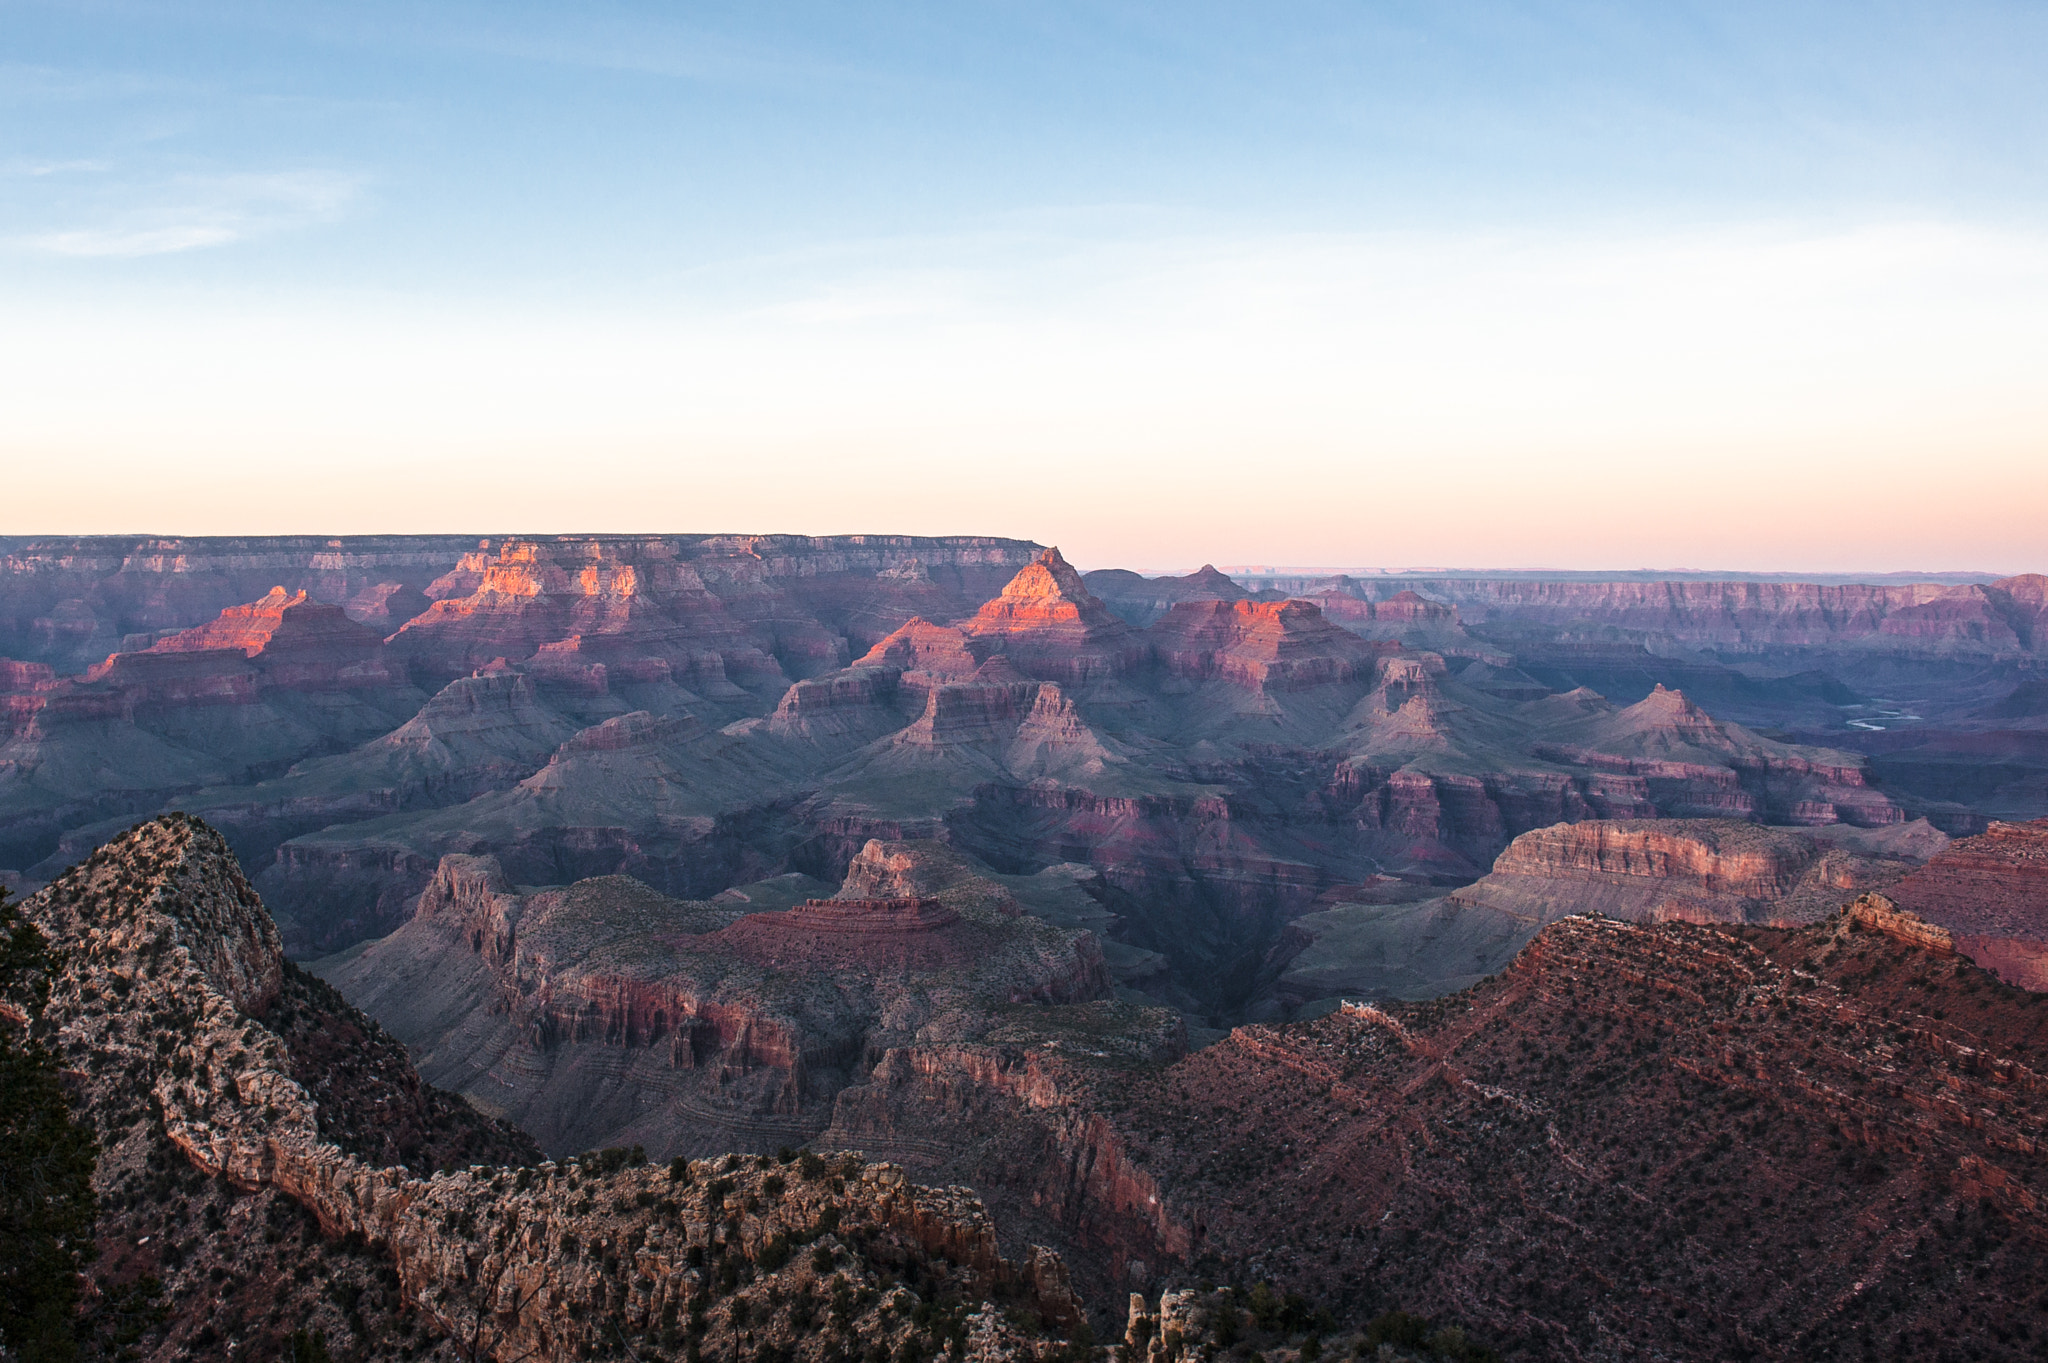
[
  {"x": 1645, "y": 1140},
  {"x": 332, "y": 1214}
]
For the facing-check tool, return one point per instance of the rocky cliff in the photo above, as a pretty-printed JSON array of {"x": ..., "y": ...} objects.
[
  {"x": 1382, "y": 939},
  {"x": 253, "y": 1211},
  {"x": 1698, "y": 870},
  {"x": 1991, "y": 893},
  {"x": 605, "y": 1013}
]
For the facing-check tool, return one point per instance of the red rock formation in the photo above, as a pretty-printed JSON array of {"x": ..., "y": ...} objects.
[
  {"x": 1280, "y": 646},
  {"x": 1696, "y": 870},
  {"x": 917, "y": 645},
  {"x": 1991, "y": 893},
  {"x": 724, "y": 612},
  {"x": 1050, "y": 626},
  {"x": 69, "y": 602},
  {"x": 580, "y": 1002},
  {"x": 849, "y": 934},
  {"x": 294, "y": 642}
]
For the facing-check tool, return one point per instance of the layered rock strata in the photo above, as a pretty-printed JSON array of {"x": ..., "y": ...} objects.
[
  {"x": 173, "y": 968},
  {"x": 607, "y": 1013},
  {"x": 1991, "y": 893}
]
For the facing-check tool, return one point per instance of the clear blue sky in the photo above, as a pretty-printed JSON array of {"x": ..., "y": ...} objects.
[{"x": 1253, "y": 273}]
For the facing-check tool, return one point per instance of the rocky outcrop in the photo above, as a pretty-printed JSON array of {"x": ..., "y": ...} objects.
[
  {"x": 604, "y": 1013},
  {"x": 1383, "y": 939},
  {"x": 1990, "y": 892},
  {"x": 538, "y": 1262},
  {"x": 1697, "y": 870},
  {"x": 1051, "y": 627},
  {"x": 1277, "y": 646}
]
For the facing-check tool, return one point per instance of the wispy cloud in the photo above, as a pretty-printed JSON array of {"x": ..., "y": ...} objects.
[{"x": 192, "y": 213}]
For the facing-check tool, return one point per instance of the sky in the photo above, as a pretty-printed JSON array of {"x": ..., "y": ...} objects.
[{"x": 1667, "y": 285}]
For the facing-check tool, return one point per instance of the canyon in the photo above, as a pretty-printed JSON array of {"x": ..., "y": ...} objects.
[
  {"x": 1699, "y": 1139},
  {"x": 273, "y": 1176},
  {"x": 701, "y": 713},
  {"x": 1208, "y": 930}
]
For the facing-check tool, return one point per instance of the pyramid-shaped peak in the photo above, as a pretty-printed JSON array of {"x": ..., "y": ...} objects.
[
  {"x": 1668, "y": 708},
  {"x": 1048, "y": 592},
  {"x": 276, "y": 615},
  {"x": 1048, "y": 577}
]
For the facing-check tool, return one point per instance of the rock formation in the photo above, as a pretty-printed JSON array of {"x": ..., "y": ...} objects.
[
  {"x": 1991, "y": 893},
  {"x": 1639, "y": 1140},
  {"x": 707, "y": 712},
  {"x": 1050, "y": 626},
  {"x": 606, "y": 1013},
  {"x": 271, "y": 1168},
  {"x": 1387, "y": 940}
]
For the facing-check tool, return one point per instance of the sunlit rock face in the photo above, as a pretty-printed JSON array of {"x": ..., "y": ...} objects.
[{"x": 1051, "y": 627}]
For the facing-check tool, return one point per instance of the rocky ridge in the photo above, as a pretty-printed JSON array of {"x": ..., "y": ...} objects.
[
  {"x": 172, "y": 972},
  {"x": 1639, "y": 1140}
]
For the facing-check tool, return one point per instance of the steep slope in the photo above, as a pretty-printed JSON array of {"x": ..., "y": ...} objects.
[
  {"x": 1646, "y": 870},
  {"x": 1991, "y": 893},
  {"x": 1639, "y": 1141},
  {"x": 265, "y": 1165}
]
